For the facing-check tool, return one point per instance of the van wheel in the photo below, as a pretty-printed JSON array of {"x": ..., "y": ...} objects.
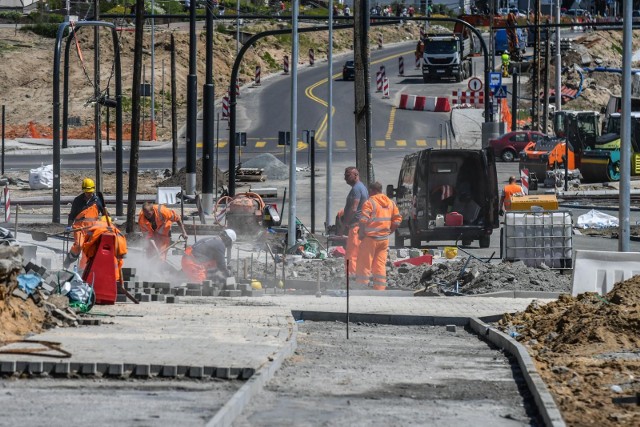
[
  {"x": 485, "y": 241},
  {"x": 467, "y": 242}
]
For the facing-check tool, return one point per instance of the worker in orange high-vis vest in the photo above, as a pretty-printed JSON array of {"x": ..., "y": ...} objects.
[
  {"x": 92, "y": 242},
  {"x": 351, "y": 216},
  {"x": 86, "y": 210},
  {"x": 508, "y": 192},
  {"x": 155, "y": 223},
  {"x": 380, "y": 217}
]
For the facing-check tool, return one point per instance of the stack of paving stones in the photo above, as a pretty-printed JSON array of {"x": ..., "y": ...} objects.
[{"x": 164, "y": 292}]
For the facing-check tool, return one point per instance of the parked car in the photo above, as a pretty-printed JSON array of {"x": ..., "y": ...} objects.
[
  {"x": 576, "y": 13},
  {"x": 510, "y": 144},
  {"x": 348, "y": 71}
]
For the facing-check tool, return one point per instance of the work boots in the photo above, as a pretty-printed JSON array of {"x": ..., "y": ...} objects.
[{"x": 69, "y": 259}]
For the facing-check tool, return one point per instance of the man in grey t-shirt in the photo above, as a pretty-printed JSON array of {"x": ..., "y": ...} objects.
[{"x": 351, "y": 215}]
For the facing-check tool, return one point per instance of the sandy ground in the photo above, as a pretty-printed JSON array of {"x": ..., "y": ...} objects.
[{"x": 586, "y": 349}]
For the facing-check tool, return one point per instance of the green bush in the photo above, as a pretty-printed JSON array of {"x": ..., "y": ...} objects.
[
  {"x": 44, "y": 29},
  {"x": 268, "y": 59},
  {"x": 11, "y": 16}
]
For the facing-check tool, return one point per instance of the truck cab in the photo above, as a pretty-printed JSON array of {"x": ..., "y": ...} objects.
[
  {"x": 446, "y": 56},
  {"x": 447, "y": 195}
]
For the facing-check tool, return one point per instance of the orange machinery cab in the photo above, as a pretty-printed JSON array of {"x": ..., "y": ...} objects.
[{"x": 546, "y": 154}]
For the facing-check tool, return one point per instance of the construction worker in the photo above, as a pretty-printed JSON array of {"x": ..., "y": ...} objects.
[
  {"x": 508, "y": 192},
  {"x": 86, "y": 209},
  {"x": 92, "y": 242},
  {"x": 155, "y": 223},
  {"x": 380, "y": 217},
  {"x": 506, "y": 59},
  {"x": 351, "y": 216},
  {"x": 207, "y": 258}
]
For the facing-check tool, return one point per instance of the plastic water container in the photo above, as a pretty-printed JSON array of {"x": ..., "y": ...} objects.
[{"x": 439, "y": 220}]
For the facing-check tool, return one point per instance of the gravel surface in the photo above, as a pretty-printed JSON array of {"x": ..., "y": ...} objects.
[{"x": 390, "y": 376}]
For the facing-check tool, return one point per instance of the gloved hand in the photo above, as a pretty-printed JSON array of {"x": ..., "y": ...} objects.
[
  {"x": 68, "y": 229},
  {"x": 501, "y": 212}
]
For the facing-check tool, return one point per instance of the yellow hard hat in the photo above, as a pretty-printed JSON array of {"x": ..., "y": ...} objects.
[{"x": 88, "y": 186}]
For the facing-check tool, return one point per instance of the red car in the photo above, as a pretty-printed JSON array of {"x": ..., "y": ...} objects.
[{"x": 510, "y": 144}]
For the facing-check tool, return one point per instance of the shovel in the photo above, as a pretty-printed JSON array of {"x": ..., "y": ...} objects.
[{"x": 41, "y": 236}]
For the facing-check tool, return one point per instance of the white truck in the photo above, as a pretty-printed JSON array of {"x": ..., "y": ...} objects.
[{"x": 445, "y": 56}]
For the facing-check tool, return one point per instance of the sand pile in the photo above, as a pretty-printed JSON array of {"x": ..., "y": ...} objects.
[{"x": 588, "y": 350}]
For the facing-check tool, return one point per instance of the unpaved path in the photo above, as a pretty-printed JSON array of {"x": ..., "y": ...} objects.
[{"x": 389, "y": 376}]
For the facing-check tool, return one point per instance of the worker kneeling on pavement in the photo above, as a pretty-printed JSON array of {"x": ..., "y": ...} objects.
[
  {"x": 155, "y": 223},
  {"x": 380, "y": 217},
  {"x": 86, "y": 210},
  {"x": 100, "y": 228},
  {"x": 208, "y": 257}
]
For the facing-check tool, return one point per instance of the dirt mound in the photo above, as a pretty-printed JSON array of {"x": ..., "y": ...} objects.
[
  {"x": 587, "y": 350},
  {"x": 273, "y": 168}
]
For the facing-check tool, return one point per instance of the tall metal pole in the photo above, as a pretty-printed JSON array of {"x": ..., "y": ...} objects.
[
  {"x": 3, "y": 139},
  {"x": 237, "y": 27},
  {"x": 96, "y": 94},
  {"x": 547, "y": 74},
  {"x": 558, "y": 84},
  {"x": 291, "y": 238},
  {"x": 329, "y": 159},
  {"x": 192, "y": 103},
  {"x": 152, "y": 113},
  {"x": 208, "y": 117},
  {"x": 625, "y": 134}
]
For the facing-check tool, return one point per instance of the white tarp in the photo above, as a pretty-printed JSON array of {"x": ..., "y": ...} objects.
[
  {"x": 41, "y": 178},
  {"x": 597, "y": 219}
]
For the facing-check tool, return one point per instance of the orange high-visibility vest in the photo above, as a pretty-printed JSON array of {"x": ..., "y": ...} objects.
[
  {"x": 509, "y": 191},
  {"x": 378, "y": 213},
  {"x": 163, "y": 218}
]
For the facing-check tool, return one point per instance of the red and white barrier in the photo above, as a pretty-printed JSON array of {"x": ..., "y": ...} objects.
[
  {"x": 468, "y": 97},
  {"x": 225, "y": 107},
  {"x": 256, "y": 80},
  {"x": 401, "y": 66},
  {"x": 312, "y": 58},
  {"x": 7, "y": 204},
  {"x": 424, "y": 103},
  {"x": 380, "y": 41},
  {"x": 285, "y": 64},
  {"x": 524, "y": 181},
  {"x": 385, "y": 88},
  {"x": 383, "y": 70},
  {"x": 379, "y": 81}
]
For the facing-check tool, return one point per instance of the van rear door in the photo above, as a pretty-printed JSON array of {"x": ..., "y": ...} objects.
[{"x": 492, "y": 190}]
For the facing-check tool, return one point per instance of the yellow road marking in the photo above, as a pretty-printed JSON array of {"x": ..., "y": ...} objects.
[
  {"x": 441, "y": 142},
  {"x": 261, "y": 144},
  {"x": 341, "y": 144},
  {"x": 380, "y": 143},
  {"x": 401, "y": 142},
  {"x": 392, "y": 120},
  {"x": 322, "y": 144},
  {"x": 222, "y": 144},
  {"x": 421, "y": 143},
  {"x": 199, "y": 144}
]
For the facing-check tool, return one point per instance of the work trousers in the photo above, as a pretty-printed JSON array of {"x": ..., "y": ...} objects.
[
  {"x": 372, "y": 263},
  {"x": 351, "y": 251}
]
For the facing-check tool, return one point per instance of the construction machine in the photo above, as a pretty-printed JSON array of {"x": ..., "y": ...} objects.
[
  {"x": 246, "y": 213},
  {"x": 546, "y": 154},
  {"x": 601, "y": 161}
]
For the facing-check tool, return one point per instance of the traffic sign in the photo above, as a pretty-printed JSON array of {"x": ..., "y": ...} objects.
[
  {"x": 495, "y": 80},
  {"x": 475, "y": 84},
  {"x": 501, "y": 92}
]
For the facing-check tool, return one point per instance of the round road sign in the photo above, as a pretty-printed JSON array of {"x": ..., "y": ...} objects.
[{"x": 475, "y": 84}]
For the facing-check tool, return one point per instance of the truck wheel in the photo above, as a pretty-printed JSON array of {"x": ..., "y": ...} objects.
[{"x": 485, "y": 241}]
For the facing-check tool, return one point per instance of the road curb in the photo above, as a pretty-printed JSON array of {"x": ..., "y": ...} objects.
[
  {"x": 234, "y": 407},
  {"x": 543, "y": 399}
]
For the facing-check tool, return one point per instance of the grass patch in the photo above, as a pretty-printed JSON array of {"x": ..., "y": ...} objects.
[{"x": 617, "y": 48}]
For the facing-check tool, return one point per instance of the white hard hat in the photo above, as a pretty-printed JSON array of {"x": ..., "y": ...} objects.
[{"x": 231, "y": 234}]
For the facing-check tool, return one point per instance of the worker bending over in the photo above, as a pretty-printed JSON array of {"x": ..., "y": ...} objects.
[
  {"x": 380, "y": 217},
  {"x": 155, "y": 223},
  {"x": 86, "y": 210},
  {"x": 508, "y": 192},
  {"x": 208, "y": 257},
  {"x": 92, "y": 242}
]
